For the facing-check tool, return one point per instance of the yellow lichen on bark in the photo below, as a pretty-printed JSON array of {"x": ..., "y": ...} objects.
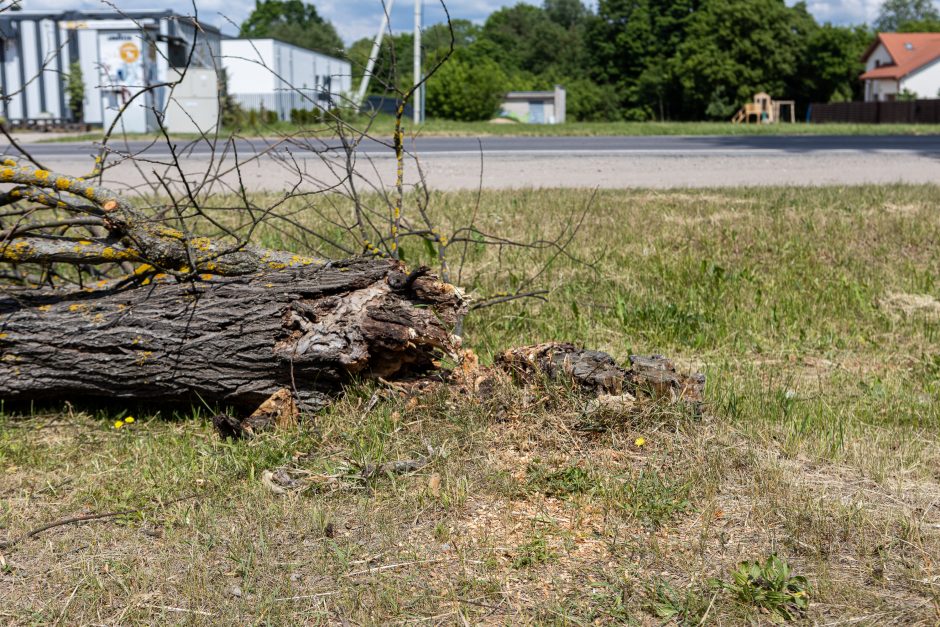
[{"x": 16, "y": 251}]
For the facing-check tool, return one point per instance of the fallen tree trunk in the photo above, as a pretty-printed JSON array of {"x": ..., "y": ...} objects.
[{"x": 232, "y": 340}]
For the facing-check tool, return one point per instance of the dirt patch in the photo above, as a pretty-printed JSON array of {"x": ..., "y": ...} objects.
[
  {"x": 901, "y": 303},
  {"x": 902, "y": 209}
]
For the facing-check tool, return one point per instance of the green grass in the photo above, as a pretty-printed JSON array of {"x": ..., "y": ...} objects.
[
  {"x": 815, "y": 314},
  {"x": 384, "y": 126},
  {"x": 473, "y": 129}
]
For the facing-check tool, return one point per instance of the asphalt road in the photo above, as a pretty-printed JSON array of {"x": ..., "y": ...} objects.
[
  {"x": 530, "y": 162},
  {"x": 543, "y": 146}
]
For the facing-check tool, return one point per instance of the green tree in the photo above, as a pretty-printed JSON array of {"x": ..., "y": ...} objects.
[
  {"x": 632, "y": 44},
  {"x": 586, "y": 101},
  {"x": 394, "y": 65},
  {"x": 466, "y": 89},
  {"x": 566, "y": 13},
  {"x": 830, "y": 68},
  {"x": 908, "y": 16},
  {"x": 435, "y": 40},
  {"x": 735, "y": 48},
  {"x": 75, "y": 90},
  {"x": 524, "y": 38},
  {"x": 294, "y": 22}
]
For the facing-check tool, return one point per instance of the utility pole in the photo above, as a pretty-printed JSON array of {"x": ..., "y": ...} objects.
[
  {"x": 376, "y": 46},
  {"x": 417, "y": 99}
]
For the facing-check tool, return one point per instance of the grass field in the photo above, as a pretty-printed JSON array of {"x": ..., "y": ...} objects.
[
  {"x": 473, "y": 129},
  {"x": 384, "y": 126},
  {"x": 815, "y": 314}
]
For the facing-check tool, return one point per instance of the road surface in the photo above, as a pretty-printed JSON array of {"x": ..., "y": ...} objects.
[{"x": 514, "y": 162}]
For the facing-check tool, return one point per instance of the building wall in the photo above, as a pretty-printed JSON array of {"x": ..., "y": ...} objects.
[
  {"x": 880, "y": 89},
  {"x": 925, "y": 82},
  {"x": 561, "y": 104},
  {"x": 88, "y": 59},
  {"x": 878, "y": 58},
  {"x": 522, "y": 109},
  {"x": 244, "y": 65},
  {"x": 280, "y": 77},
  {"x": 32, "y": 56},
  {"x": 11, "y": 79},
  {"x": 193, "y": 105}
]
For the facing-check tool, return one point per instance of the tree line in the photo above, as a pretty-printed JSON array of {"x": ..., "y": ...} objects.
[{"x": 625, "y": 60}]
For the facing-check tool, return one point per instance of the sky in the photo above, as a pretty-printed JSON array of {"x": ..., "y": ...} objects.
[{"x": 355, "y": 19}]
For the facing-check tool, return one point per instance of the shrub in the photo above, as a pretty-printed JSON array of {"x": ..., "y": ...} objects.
[
  {"x": 465, "y": 91},
  {"x": 586, "y": 101},
  {"x": 75, "y": 89}
]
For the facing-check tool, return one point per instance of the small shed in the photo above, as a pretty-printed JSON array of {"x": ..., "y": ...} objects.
[{"x": 535, "y": 107}]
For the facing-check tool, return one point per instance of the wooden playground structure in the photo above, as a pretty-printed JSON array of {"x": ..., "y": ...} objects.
[{"x": 764, "y": 110}]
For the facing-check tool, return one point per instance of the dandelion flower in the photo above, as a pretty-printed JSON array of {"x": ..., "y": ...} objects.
[
  {"x": 129, "y": 419},
  {"x": 639, "y": 441},
  {"x": 118, "y": 424}
]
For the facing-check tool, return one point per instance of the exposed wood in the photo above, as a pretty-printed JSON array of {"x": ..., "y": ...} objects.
[
  {"x": 231, "y": 340},
  {"x": 592, "y": 370},
  {"x": 653, "y": 376}
]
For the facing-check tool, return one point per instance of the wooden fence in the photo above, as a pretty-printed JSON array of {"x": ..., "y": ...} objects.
[{"x": 909, "y": 112}]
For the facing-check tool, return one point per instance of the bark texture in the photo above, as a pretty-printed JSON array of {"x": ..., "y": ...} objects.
[{"x": 235, "y": 340}]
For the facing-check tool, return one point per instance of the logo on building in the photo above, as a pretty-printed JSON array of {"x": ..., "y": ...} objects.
[{"x": 129, "y": 52}]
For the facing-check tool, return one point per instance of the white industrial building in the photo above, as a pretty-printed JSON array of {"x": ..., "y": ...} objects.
[
  {"x": 121, "y": 55},
  {"x": 271, "y": 75}
]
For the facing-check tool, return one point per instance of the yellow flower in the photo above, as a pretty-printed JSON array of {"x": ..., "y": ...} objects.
[
  {"x": 640, "y": 441},
  {"x": 129, "y": 419},
  {"x": 118, "y": 424}
]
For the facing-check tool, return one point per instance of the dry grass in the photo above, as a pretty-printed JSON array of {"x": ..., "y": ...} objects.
[{"x": 819, "y": 443}]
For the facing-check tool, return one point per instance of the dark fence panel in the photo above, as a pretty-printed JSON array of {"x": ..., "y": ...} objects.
[
  {"x": 908, "y": 112},
  {"x": 384, "y": 104}
]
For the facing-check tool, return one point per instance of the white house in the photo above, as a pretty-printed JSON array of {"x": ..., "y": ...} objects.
[
  {"x": 276, "y": 76},
  {"x": 898, "y": 63}
]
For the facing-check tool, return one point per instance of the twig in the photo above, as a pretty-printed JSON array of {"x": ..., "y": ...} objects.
[
  {"x": 399, "y": 467},
  {"x": 708, "y": 609},
  {"x": 65, "y": 608},
  {"x": 84, "y": 518},
  {"x": 399, "y": 565},
  {"x": 181, "y": 610},
  {"x": 308, "y": 596}
]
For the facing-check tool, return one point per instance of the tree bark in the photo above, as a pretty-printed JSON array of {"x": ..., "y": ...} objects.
[{"x": 230, "y": 340}]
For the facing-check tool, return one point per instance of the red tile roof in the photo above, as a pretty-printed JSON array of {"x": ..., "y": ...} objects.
[{"x": 909, "y": 51}]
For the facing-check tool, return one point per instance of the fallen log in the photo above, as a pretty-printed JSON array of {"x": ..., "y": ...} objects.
[{"x": 234, "y": 340}]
